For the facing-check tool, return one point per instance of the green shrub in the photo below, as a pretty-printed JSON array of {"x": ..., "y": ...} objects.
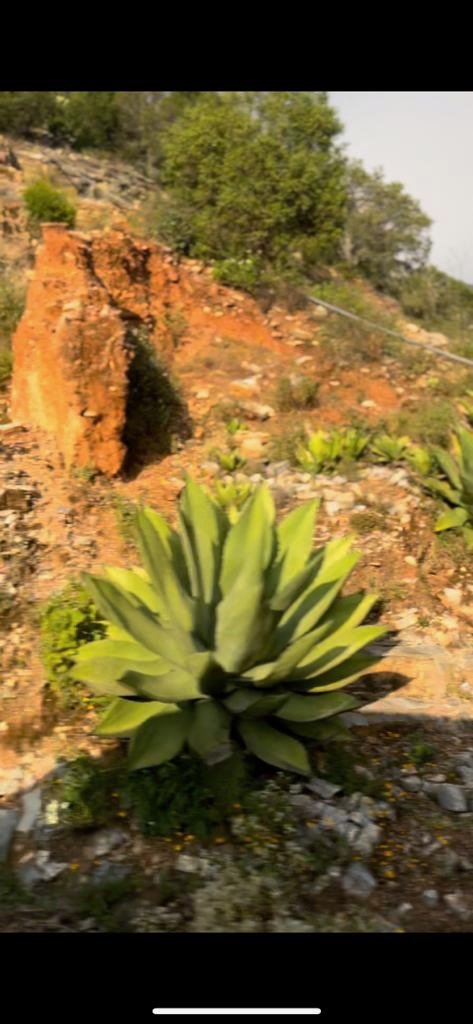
[
  {"x": 301, "y": 393},
  {"x": 244, "y": 274},
  {"x": 68, "y": 620},
  {"x": 456, "y": 489},
  {"x": 232, "y": 636},
  {"x": 46, "y": 203}
]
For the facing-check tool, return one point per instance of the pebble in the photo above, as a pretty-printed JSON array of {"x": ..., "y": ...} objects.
[
  {"x": 412, "y": 784},
  {"x": 451, "y": 798},
  {"x": 105, "y": 841},
  {"x": 322, "y": 788},
  {"x": 403, "y": 909},
  {"x": 456, "y": 904},
  {"x": 466, "y": 774},
  {"x": 358, "y": 881},
  {"x": 430, "y": 897}
]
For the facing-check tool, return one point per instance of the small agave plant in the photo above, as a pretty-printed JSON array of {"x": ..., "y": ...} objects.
[
  {"x": 457, "y": 489},
  {"x": 387, "y": 448},
  {"x": 326, "y": 449},
  {"x": 231, "y": 497},
  {"x": 232, "y": 635}
]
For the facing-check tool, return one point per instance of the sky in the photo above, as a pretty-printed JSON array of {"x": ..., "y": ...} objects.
[{"x": 425, "y": 141}]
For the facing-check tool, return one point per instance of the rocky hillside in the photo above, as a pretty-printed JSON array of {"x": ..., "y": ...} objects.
[{"x": 115, "y": 327}]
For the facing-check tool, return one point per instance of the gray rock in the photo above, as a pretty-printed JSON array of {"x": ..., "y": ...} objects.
[
  {"x": 368, "y": 838},
  {"x": 403, "y": 909},
  {"x": 451, "y": 798},
  {"x": 105, "y": 841},
  {"x": 456, "y": 903},
  {"x": 322, "y": 788},
  {"x": 358, "y": 881},
  {"x": 411, "y": 783},
  {"x": 31, "y": 810},
  {"x": 8, "y": 821},
  {"x": 333, "y": 818},
  {"x": 466, "y": 774},
  {"x": 305, "y": 806},
  {"x": 448, "y": 862},
  {"x": 430, "y": 897}
]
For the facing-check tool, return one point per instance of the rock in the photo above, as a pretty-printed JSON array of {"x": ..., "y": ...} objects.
[
  {"x": 19, "y": 499},
  {"x": 10, "y": 428},
  {"x": 304, "y": 806},
  {"x": 456, "y": 903},
  {"x": 368, "y": 838},
  {"x": 39, "y": 869},
  {"x": 403, "y": 909},
  {"x": 448, "y": 862},
  {"x": 322, "y": 788},
  {"x": 430, "y": 897},
  {"x": 453, "y": 597},
  {"x": 466, "y": 774},
  {"x": 257, "y": 411},
  {"x": 411, "y": 783},
  {"x": 451, "y": 798},
  {"x": 358, "y": 881},
  {"x": 105, "y": 841},
  {"x": 31, "y": 810},
  {"x": 8, "y": 821},
  {"x": 252, "y": 445}
]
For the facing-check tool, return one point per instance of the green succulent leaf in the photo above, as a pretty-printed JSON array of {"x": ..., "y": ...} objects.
[
  {"x": 322, "y": 731},
  {"x": 299, "y": 708},
  {"x": 209, "y": 733},
  {"x": 252, "y": 534},
  {"x": 175, "y": 604},
  {"x": 124, "y": 717},
  {"x": 160, "y": 738},
  {"x": 274, "y": 747},
  {"x": 450, "y": 519}
]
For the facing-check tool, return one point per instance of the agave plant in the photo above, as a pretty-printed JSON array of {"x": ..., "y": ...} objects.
[
  {"x": 232, "y": 634},
  {"x": 230, "y": 461},
  {"x": 326, "y": 449},
  {"x": 231, "y": 497},
  {"x": 387, "y": 448},
  {"x": 419, "y": 458},
  {"x": 457, "y": 489}
]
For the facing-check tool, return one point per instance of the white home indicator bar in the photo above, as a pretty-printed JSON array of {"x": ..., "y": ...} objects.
[{"x": 234, "y": 1010}]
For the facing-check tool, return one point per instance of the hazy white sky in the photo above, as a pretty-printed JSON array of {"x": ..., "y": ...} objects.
[{"x": 425, "y": 141}]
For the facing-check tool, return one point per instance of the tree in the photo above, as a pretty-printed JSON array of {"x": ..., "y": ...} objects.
[
  {"x": 260, "y": 174},
  {"x": 386, "y": 235}
]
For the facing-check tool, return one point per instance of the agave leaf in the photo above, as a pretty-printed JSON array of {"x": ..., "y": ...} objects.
[
  {"x": 312, "y": 604},
  {"x": 294, "y": 537},
  {"x": 249, "y": 543},
  {"x": 196, "y": 678},
  {"x": 240, "y": 700},
  {"x": 205, "y": 529},
  {"x": 110, "y": 670},
  {"x": 104, "y": 687},
  {"x": 444, "y": 489},
  {"x": 172, "y": 644},
  {"x": 345, "y": 672},
  {"x": 159, "y": 738},
  {"x": 178, "y": 607},
  {"x": 124, "y": 717},
  {"x": 281, "y": 599},
  {"x": 465, "y": 438},
  {"x": 171, "y": 543},
  {"x": 209, "y": 733},
  {"x": 121, "y": 649},
  {"x": 274, "y": 747},
  {"x": 242, "y": 625},
  {"x": 322, "y": 731},
  {"x": 116, "y": 633},
  {"x": 449, "y": 467},
  {"x": 450, "y": 519},
  {"x": 133, "y": 583},
  {"x": 308, "y": 708},
  {"x": 283, "y": 666},
  {"x": 265, "y": 706},
  {"x": 335, "y": 649}
]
